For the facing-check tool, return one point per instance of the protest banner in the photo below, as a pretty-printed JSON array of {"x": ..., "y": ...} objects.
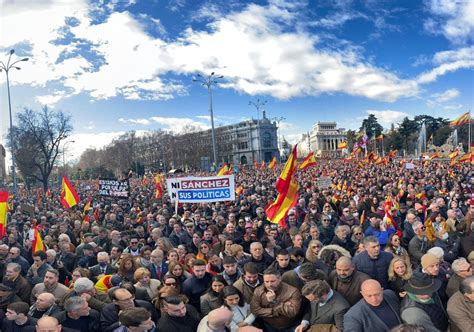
[
  {"x": 114, "y": 188},
  {"x": 201, "y": 189},
  {"x": 324, "y": 182}
]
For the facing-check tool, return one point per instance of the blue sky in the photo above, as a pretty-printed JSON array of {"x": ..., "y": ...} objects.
[{"x": 128, "y": 65}]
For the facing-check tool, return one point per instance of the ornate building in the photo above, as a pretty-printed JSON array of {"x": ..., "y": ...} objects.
[{"x": 325, "y": 138}]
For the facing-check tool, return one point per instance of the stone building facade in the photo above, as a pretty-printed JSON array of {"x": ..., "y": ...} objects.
[{"x": 325, "y": 138}]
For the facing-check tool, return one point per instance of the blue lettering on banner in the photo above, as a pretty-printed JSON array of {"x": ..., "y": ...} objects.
[{"x": 184, "y": 195}]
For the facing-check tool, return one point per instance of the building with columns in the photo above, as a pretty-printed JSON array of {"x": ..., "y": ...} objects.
[{"x": 325, "y": 138}]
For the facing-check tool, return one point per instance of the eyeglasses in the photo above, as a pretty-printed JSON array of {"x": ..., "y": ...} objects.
[
  {"x": 469, "y": 269},
  {"x": 357, "y": 233},
  {"x": 325, "y": 219}
]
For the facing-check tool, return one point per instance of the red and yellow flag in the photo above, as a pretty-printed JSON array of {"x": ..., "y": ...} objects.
[
  {"x": 309, "y": 161},
  {"x": 466, "y": 158},
  {"x": 286, "y": 175},
  {"x": 159, "y": 190},
  {"x": 239, "y": 190},
  {"x": 272, "y": 163},
  {"x": 453, "y": 154},
  {"x": 342, "y": 145},
  {"x": 49, "y": 194},
  {"x": 87, "y": 207},
  {"x": 3, "y": 213},
  {"x": 69, "y": 196},
  {"x": 278, "y": 210},
  {"x": 37, "y": 244},
  {"x": 435, "y": 155},
  {"x": 463, "y": 119},
  {"x": 223, "y": 170},
  {"x": 362, "y": 218}
]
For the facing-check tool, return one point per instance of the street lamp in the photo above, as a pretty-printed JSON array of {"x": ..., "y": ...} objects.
[
  {"x": 208, "y": 82},
  {"x": 7, "y": 68},
  {"x": 64, "y": 150},
  {"x": 259, "y": 104}
]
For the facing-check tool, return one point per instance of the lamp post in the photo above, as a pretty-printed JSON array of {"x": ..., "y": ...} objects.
[
  {"x": 259, "y": 104},
  {"x": 64, "y": 150},
  {"x": 208, "y": 82},
  {"x": 7, "y": 68}
]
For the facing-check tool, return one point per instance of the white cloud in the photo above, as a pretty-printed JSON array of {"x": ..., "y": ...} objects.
[
  {"x": 250, "y": 48},
  {"x": 447, "y": 62},
  {"x": 387, "y": 117},
  {"x": 51, "y": 100},
  {"x": 143, "y": 122},
  {"x": 452, "y": 18},
  {"x": 446, "y": 95},
  {"x": 84, "y": 141}
]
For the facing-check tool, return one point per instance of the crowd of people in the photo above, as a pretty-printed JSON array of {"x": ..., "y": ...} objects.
[{"x": 336, "y": 263}]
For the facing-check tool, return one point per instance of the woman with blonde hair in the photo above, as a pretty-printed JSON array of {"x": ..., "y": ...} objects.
[
  {"x": 144, "y": 281},
  {"x": 399, "y": 272},
  {"x": 312, "y": 252}
]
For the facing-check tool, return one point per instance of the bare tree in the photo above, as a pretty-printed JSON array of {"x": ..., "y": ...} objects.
[{"x": 37, "y": 138}]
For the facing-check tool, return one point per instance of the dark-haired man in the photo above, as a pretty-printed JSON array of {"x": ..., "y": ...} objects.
[
  {"x": 198, "y": 284},
  {"x": 178, "y": 316}
]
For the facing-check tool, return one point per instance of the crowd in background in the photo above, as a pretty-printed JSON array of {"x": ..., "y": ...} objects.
[{"x": 336, "y": 263}]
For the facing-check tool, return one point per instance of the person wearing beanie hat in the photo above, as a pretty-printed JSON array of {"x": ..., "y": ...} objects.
[{"x": 430, "y": 266}]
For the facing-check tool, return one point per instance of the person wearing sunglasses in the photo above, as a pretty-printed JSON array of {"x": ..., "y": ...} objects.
[
  {"x": 462, "y": 270},
  {"x": 418, "y": 245}
]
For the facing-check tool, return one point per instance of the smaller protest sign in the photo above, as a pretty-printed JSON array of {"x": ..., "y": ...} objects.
[
  {"x": 201, "y": 189},
  {"x": 324, "y": 182},
  {"x": 114, "y": 187}
]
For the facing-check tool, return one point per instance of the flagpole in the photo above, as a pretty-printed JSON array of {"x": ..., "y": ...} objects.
[
  {"x": 383, "y": 152},
  {"x": 469, "y": 138}
]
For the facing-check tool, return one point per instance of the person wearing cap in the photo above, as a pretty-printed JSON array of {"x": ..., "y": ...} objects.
[
  {"x": 430, "y": 266},
  {"x": 422, "y": 305},
  {"x": 378, "y": 310},
  {"x": 420, "y": 212},
  {"x": 88, "y": 259},
  {"x": 461, "y": 307},
  {"x": 418, "y": 245},
  {"x": 7, "y": 296}
]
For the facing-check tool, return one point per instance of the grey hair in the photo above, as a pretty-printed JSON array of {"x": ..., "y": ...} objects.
[
  {"x": 82, "y": 285},
  {"x": 255, "y": 244},
  {"x": 74, "y": 303},
  {"x": 102, "y": 254},
  {"x": 15, "y": 266},
  {"x": 370, "y": 239},
  {"x": 51, "y": 251},
  {"x": 417, "y": 224},
  {"x": 456, "y": 265},
  {"x": 64, "y": 237}
]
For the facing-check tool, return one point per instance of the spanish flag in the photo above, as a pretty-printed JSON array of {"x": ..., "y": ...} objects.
[
  {"x": 278, "y": 210},
  {"x": 466, "y": 158},
  {"x": 286, "y": 175},
  {"x": 37, "y": 244},
  {"x": 342, "y": 145},
  {"x": 308, "y": 161},
  {"x": 463, "y": 119},
  {"x": 453, "y": 154},
  {"x": 69, "y": 196},
  {"x": 159, "y": 190},
  {"x": 272, "y": 163},
  {"x": 3, "y": 213},
  {"x": 87, "y": 207},
  {"x": 225, "y": 170},
  {"x": 435, "y": 155}
]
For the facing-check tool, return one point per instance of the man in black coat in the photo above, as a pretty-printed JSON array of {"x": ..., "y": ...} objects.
[
  {"x": 178, "y": 316},
  {"x": 121, "y": 299},
  {"x": 198, "y": 284},
  {"x": 78, "y": 316},
  {"x": 373, "y": 261}
]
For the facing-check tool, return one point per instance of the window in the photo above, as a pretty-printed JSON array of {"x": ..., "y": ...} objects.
[
  {"x": 243, "y": 146},
  {"x": 267, "y": 140}
]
